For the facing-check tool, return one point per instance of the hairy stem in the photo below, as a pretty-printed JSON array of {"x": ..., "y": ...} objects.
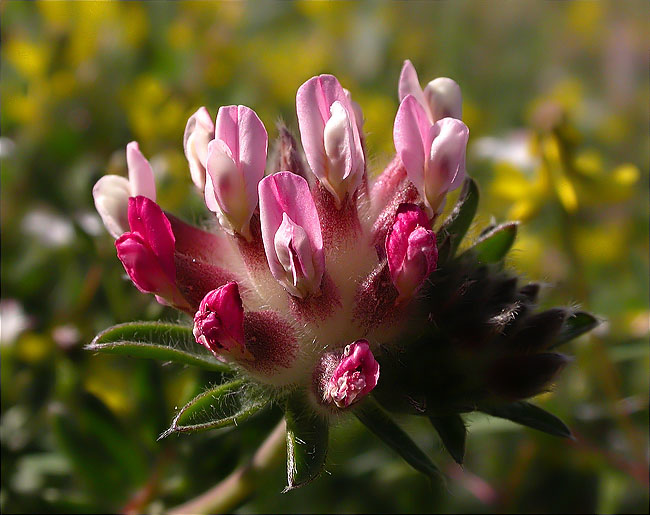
[{"x": 228, "y": 494}]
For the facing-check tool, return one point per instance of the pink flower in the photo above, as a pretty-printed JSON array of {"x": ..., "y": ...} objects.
[
  {"x": 199, "y": 132},
  {"x": 219, "y": 323},
  {"x": 441, "y": 98},
  {"x": 111, "y": 193},
  {"x": 411, "y": 250},
  {"x": 291, "y": 233},
  {"x": 147, "y": 252},
  {"x": 330, "y": 131},
  {"x": 355, "y": 376},
  {"x": 433, "y": 154},
  {"x": 235, "y": 164}
]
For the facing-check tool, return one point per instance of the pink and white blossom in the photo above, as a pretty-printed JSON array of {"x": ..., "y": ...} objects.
[
  {"x": 433, "y": 154},
  {"x": 295, "y": 269},
  {"x": 111, "y": 193},
  {"x": 291, "y": 233},
  {"x": 236, "y": 160},
  {"x": 199, "y": 132},
  {"x": 330, "y": 126},
  {"x": 441, "y": 98}
]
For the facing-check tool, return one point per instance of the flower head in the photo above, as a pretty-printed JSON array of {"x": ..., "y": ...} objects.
[{"x": 299, "y": 267}]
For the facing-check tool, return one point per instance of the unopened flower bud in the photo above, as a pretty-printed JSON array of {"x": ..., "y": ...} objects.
[
  {"x": 354, "y": 377},
  {"x": 291, "y": 233},
  {"x": 199, "y": 132},
  {"x": 219, "y": 323},
  {"x": 411, "y": 250}
]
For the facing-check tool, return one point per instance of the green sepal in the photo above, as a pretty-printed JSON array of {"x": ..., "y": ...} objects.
[
  {"x": 529, "y": 415},
  {"x": 493, "y": 246},
  {"x": 576, "y": 325},
  {"x": 307, "y": 441},
  {"x": 452, "y": 431},
  {"x": 156, "y": 340},
  {"x": 382, "y": 425},
  {"x": 221, "y": 406},
  {"x": 459, "y": 220}
]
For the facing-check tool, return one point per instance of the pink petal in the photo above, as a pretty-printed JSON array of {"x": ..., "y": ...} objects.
[
  {"x": 409, "y": 84},
  {"x": 253, "y": 146},
  {"x": 410, "y": 134},
  {"x": 287, "y": 193},
  {"x": 227, "y": 183},
  {"x": 140, "y": 173},
  {"x": 199, "y": 131},
  {"x": 293, "y": 250},
  {"x": 356, "y": 110},
  {"x": 150, "y": 223},
  {"x": 446, "y": 158},
  {"x": 140, "y": 263}
]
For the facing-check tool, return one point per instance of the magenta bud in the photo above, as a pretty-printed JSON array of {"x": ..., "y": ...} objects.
[
  {"x": 219, "y": 323},
  {"x": 411, "y": 250},
  {"x": 354, "y": 377}
]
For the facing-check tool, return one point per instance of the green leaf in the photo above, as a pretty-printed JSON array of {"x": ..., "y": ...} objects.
[
  {"x": 577, "y": 324},
  {"x": 156, "y": 340},
  {"x": 495, "y": 244},
  {"x": 221, "y": 406},
  {"x": 451, "y": 429},
  {"x": 459, "y": 220},
  {"x": 530, "y": 415},
  {"x": 307, "y": 441},
  {"x": 380, "y": 423}
]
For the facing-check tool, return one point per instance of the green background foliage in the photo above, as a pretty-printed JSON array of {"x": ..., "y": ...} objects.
[{"x": 81, "y": 79}]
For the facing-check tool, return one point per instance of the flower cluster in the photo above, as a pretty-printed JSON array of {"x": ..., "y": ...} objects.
[
  {"x": 312, "y": 268},
  {"x": 332, "y": 292}
]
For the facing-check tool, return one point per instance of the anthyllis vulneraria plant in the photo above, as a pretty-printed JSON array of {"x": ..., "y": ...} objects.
[{"x": 328, "y": 293}]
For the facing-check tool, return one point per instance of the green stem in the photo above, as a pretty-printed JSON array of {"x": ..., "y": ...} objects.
[{"x": 227, "y": 495}]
